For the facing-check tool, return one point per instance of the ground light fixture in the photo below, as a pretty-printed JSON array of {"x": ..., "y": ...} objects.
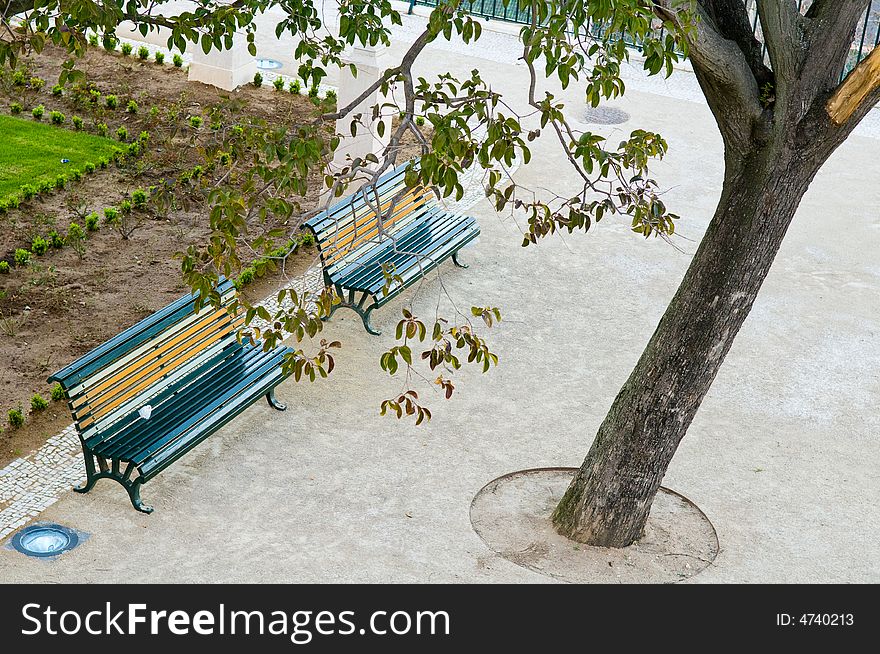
[
  {"x": 45, "y": 540},
  {"x": 268, "y": 64}
]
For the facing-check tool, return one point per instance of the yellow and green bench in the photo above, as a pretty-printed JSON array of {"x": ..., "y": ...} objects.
[
  {"x": 416, "y": 236},
  {"x": 148, "y": 396}
]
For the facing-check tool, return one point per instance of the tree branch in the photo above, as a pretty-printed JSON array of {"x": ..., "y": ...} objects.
[
  {"x": 782, "y": 26},
  {"x": 723, "y": 72},
  {"x": 856, "y": 89},
  {"x": 731, "y": 19}
]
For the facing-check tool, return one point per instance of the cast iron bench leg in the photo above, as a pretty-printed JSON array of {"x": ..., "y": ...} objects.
[
  {"x": 124, "y": 478},
  {"x": 457, "y": 262},
  {"x": 273, "y": 401}
]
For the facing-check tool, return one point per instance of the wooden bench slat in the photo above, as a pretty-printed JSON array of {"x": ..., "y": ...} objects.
[
  {"x": 170, "y": 348},
  {"x": 266, "y": 366},
  {"x": 181, "y": 372},
  {"x": 127, "y": 423},
  {"x": 429, "y": 238},
  {"x": 381, "y": 251},
  {"x": 129, "y": 339},
  {"x": 367, "y": 228},
  {"x": 144, "y": 377},
  {"x": 172, "y": 408}
]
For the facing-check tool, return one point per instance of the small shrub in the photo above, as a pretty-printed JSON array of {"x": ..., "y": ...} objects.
[
  {"x": 420, "y": 121},
  {"x": 94, "y": 96},
  {"x": 75, "y": 175},
  {"x": 111, "y": 215},
  {"x": 195, "y": 121},
  {"x": 278, "y": 84},
  {"x": 93, "y": 40},
  {"x": 103, "y": 162},
  {"x": 57, "y": 90},
  {"x": 56, "y": 241},
  {"x": 58, "y": 393},
  {"x": 131, "y": 107},
  {"x": 28, "y": 191},
  {"x": 154, "y": 112},
  {"x": 224, "y": 158},
  {"x": 36, "y": 83},
  {"x": 12, "y": 201},
  {"x": 331, "y": 96},
  {"x": 19, "y": 78},
  {"x": 143, "y": 53},
  {"x": 245, "y": 277},
  {"x": 177, "y": 60},
  {"x": 122, "y": 133},
  {"x": 16, "y": 418},
  {"x": 44, "y": 186},
  {"x": 92, "y": 222},
  {"x": 15, "y": 108},
  {"x": 56, "y": 117},
  {"x": 4, "y": 267},
  {"x": 77, "y": 122},
  {"x": 89, "y": 168},
  {"x": 295, "y": 87},
  {"x": 60, "y": 181},
  {"x": 237, "y": 130},
  {"x": 111, "y": 102},
  {"x": 39, "y": 245},
  {"x": 76, "y": 238},
  {"x": 139, "y": 198},
  {"x": 258, "y": 80},
  {"x": 125, "y": 207},
  {"x": 144, "y": 137},
  {"x": 22, "y": 257},
  {"x": 216, "y": 125},
  {"x": 75, "y": 232},
  {"x": 110, "y": 42},
  {"x": 38, "y": 111},
  {"x": 38, "y": 402},
  {"x": 313, "y": 92},
  {"x": 159, "y": 57},
  {"x": 133, "y": 149},
  {"x": 126, "y": 49}
]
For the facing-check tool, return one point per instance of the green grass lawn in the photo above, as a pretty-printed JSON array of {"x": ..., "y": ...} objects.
[{"x": 31, "y": 152}]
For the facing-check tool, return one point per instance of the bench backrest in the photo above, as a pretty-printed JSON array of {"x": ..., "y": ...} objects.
[
  {"x": 351, "y": 227},
  {"x": 121, "y": 375}
]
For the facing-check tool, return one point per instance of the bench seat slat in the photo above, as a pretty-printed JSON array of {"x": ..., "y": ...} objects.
[
  {"x": 126, "y": 427},
  {"x": 170, "y": 410},
  {"x": 267, "y": 371},
  {"x": 434, "y": 239},
  {"x": 181, "y": 371},
  {"x": 214, "y": 422}
]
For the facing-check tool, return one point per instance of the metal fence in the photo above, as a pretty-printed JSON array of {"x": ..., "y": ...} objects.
[{"x": 867, "y": 36}]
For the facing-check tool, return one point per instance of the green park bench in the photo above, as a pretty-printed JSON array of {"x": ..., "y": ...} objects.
[
  {"x": 146, "y": 397},
  {"x": 417, "y": 235}
]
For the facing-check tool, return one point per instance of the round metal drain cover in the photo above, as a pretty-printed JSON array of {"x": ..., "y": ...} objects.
[
  {"x": 45, "y": 540},
  {"x": 605, "y": 116},
  {"x": 268, "y": 64}
]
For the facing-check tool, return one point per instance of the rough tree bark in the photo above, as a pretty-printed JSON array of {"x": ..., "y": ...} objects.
[{"x": 772, "y": 154}]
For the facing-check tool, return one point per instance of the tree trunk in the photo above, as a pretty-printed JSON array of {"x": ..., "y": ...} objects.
[{"x": 608, "y": 501}]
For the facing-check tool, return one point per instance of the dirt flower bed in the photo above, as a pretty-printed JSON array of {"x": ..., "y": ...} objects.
[{"x": 67, "y": 299}]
